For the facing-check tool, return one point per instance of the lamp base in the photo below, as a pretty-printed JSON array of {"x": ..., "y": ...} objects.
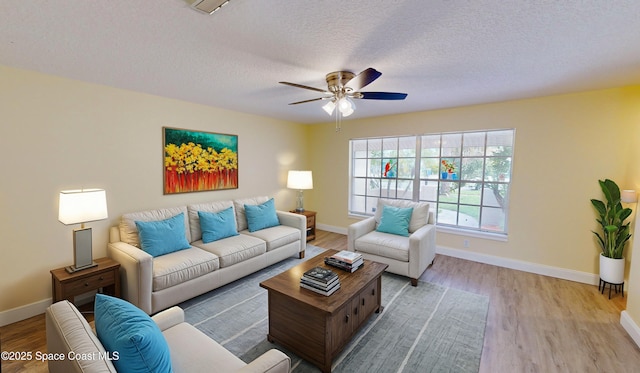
[
  {"x": 73, "y": 269},
  {"x": 299, "y": 210}
]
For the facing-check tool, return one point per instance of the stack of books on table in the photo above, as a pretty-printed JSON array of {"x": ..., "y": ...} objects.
[
  {"x": 321, "y": 280},
  {"x": 346, "y": 260}
]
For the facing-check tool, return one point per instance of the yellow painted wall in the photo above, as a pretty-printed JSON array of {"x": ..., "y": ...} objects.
[
  {"x": 58, "y": 134},
  {"x": 633, "y": 172},
  {"x": 563, "y": 145}
]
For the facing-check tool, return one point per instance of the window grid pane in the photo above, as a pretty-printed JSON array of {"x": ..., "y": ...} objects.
[{"x": 470, "y": 190}]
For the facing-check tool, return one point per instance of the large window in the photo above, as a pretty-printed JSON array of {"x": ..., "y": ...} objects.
[{"x": 465, "y": 176}]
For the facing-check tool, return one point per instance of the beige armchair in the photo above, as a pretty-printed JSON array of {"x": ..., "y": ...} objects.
[{"x": 407, "y": 256}]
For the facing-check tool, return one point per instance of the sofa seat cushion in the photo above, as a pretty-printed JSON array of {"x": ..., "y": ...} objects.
[
  {"x": 241, "y": 216},
  {"x": 181, "y": 266},
  {"x": 384, "y": 244},
  {"x": 276, "y": 237},
  {"x": 232, "y": 250},
  {"x": 192, "y": 351}
]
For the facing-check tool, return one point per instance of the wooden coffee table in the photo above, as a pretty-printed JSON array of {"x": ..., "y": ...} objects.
[{"x": 316, "y": 327}]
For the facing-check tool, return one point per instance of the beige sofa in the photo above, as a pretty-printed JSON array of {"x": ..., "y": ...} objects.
[
  {"x": 156, "y": 283},
  {"x": 72, "y": 346}
]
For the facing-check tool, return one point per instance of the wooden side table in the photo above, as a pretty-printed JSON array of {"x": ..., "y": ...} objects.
[
  {"x": 311, "y": 223},
  {"x": 105, "y": 275}
]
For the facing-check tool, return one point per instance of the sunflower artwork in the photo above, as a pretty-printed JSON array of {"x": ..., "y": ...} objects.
[{"x": 199, "y": 161}]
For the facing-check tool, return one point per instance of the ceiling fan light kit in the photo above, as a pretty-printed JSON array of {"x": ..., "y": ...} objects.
[
  {"x": 209, "y": 6},
  {"x": 343, "y": 87}
]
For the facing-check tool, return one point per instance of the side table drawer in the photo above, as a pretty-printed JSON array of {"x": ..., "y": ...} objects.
[
  {"x": 92, "y": 282},
  {"x": 311, "y": 221}
]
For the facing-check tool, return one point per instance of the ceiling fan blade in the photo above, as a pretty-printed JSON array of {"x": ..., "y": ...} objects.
[
  {"x": 313, "y": 99},
  {"x": 382, "y": 95},
  {"x": 305, "y": 87},
  {"x": 363, "y": 79}
]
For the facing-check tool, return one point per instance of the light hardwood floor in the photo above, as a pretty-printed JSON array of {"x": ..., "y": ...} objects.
[{"x": 535, "y": 323}]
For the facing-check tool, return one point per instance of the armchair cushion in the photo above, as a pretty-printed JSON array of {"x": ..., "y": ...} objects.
[
  {"x": 128, "y": 331},
  {"x": 386, "y": 245},
  {"x": 218, "y": 225},
  {"x": 162, "y": 237},
  {"x": 419, "y": 215},
  {"x": 395, "y": 220}
]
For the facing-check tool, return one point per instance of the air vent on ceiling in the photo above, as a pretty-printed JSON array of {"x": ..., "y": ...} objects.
[{"x": 209, "y": 6}]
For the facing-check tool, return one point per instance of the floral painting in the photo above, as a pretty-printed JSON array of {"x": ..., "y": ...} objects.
[{"x": 196, "y": 161}]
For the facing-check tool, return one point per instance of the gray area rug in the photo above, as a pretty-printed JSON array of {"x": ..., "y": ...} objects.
[{"x": 428, "y": 328}]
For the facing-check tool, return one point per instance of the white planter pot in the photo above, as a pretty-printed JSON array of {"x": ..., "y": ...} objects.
[{"x": 611, "y": 270}]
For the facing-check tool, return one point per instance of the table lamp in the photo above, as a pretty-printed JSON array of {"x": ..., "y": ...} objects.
[
  {"x": 300, "y": 180},
  {"x": 79, "y": 207}
]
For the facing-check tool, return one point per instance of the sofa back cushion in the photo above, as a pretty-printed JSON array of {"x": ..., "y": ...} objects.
[
  {"x": 241, "y": 216},
  {"x": 218, "y": 225},
  {"x": 419, "y": 216},
  {"x": 194, "y": 218},
  {"x": 128, "y": 331},
  {"x": 261, "y": 216},
  {"x": 129, "y": 231},
  {"x": 160, "y": 237}
]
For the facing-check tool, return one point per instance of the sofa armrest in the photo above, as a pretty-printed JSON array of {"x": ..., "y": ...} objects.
[
  {"x": 422, "y": 249},
  {"x": 272, "y": 361},
  {"x": 169, "y": 318},
  {"x": 136, "y": 269},
  {"x": 359, "y": 229},
  {"x": 295, "y": 221}
]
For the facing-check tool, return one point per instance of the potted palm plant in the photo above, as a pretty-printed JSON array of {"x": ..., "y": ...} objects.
[{"x": 614, "y": 232}]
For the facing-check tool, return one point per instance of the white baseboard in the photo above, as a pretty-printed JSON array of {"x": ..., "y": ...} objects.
[
  {"x": 331, "y": 228},
  {"x": 630, "y": 326},
  {"x": 24, "y": 312},
  {"x": 540, "y": 269}
]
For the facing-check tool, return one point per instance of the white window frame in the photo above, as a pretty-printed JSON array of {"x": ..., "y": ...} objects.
[{"x": 467, "y": 212}]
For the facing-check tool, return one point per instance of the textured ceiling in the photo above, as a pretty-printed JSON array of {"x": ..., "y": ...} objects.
[{"x": 443, "y": 53}]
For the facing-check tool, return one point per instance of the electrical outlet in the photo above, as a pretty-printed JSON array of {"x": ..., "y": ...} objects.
[{"x": 465, "y": 243}]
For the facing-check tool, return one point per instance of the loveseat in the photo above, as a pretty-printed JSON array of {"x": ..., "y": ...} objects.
[
  {"x": 235, "y": 243},
  {"x": 73, "y": 346}
]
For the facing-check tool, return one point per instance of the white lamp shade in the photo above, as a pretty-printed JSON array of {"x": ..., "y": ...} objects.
[
  {"x": 82, "y": 206},
  {"x": 346, "y": 106},
  {"x": 628, "y": 196},
  {"x": 300, "y": 180},
  {"x": 329, "y": 107}
]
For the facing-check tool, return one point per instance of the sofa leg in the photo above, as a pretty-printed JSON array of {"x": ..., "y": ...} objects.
[
  {"x": 414, "y": 282},
  {"x": 301, "y": 255}
]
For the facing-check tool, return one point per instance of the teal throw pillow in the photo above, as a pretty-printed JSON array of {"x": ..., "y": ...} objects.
[
  {"x": 395, "y": 220},
  {"x": 217, "y": 225},
  {"x": 132, "y": 338},
  {"x": 163, "y": 236},
  {"x": 261, "y": 216}
]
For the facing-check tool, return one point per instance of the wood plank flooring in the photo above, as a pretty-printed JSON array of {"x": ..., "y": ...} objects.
[{"x": 535, "y": 323}]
